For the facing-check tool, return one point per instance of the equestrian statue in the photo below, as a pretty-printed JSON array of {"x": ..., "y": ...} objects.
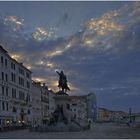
[{"x": 62, "y": 83}]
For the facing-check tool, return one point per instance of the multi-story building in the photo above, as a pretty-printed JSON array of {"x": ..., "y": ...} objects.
[
  {"x": 36, "y": 103},
  {"x": 45, "y": 103},
  {"x": 105, "y": 115},
  {"x": 78, "y": 105},
  {"x": 51, "y": 102},
  {"x": 15, "y": 91},
  {"x": 84, "y": 107}
]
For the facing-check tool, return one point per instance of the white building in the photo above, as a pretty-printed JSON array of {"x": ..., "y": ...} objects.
[
  {"x": 15, "y": 91},
  {"x": 36, "y": 103},
  {"x": 45, "y": 103},
  {"x": 79, "y": 108},
  {"x": 51, "y": 102}
]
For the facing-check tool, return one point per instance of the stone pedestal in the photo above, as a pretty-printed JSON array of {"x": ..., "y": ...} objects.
[
  {"x": 62, "y": 101},
  {"x": 61, "y": 120}
]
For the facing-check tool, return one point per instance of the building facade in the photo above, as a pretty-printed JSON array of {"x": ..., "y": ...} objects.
[
  {"x": 78, "y": 105},
  {"x": 105, "y": 115},
  {"x": 44, "y": 103},
  {"x": 51, "y": 102},
  {"x": 36, "y": 103},
  {"x": 15, "y": 91}
]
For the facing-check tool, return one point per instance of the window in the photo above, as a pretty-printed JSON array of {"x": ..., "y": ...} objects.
[
  {"x": 7, "y": 106},
  {"x": 22, "y": 110},
  {"x": 3, "y": 106},
  {"x": 6, "y": 77},
  {"x": 2, "y": 75},
  {"x": 13, "y": 66},
  {"x": 21, "y": 71},
  {"x": 28, "y": 97},
  {"x": 13, "y": 93},
  {"x": 28, "y": 111},
  {"x": 28, "y": 84},
  {"x": 21, "y": 81},
  {"x": 14, "y": 109},
  {"x": 6, "y": 62},
  {"x": 2, "y": 90},
  {"x": 6, "y": 91},
  {"x": 2, "y": 59},
  {"x": 21, "y": 95},
  {"x": 27, "y": 75},
  {"x": 13, "y": 77}
]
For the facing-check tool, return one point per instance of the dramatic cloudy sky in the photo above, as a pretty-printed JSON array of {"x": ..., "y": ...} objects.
[{"x": 97, "y": 45}]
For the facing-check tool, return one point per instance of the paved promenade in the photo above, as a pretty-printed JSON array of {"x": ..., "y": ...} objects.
[{"x": 97, "y": 131}]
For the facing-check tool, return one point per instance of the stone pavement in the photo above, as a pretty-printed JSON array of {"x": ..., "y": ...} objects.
[{"x": 106, "y": 130}]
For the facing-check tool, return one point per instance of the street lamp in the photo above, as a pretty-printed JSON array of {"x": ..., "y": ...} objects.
[{"x": 130, "y": 112}]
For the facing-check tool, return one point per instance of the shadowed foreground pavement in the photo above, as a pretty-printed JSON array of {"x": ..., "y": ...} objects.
[{"x": 98, "y": 131}]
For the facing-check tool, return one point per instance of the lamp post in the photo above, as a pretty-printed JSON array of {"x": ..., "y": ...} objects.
[{"x": 130, "y": 112}]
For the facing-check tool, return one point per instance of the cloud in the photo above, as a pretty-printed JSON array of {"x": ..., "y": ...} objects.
[
  {"x": 41, "y": 34},
  {"x": 102, "y": 57},
  {"x": 103, "y": 34},
  {"x": 13, "y": 19}
]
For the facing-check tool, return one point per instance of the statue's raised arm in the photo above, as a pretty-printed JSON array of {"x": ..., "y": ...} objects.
[{"x": 57, "y": 72}]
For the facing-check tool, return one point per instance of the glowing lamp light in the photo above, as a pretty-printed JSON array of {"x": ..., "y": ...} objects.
[
  {"x": 19, "y": 121},
  {"x": 49, "y": 88},
  {"x": 7, "y": 121}
]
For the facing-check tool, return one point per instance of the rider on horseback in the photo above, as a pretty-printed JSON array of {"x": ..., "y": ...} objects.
[{"x": 62, "y": 81}]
